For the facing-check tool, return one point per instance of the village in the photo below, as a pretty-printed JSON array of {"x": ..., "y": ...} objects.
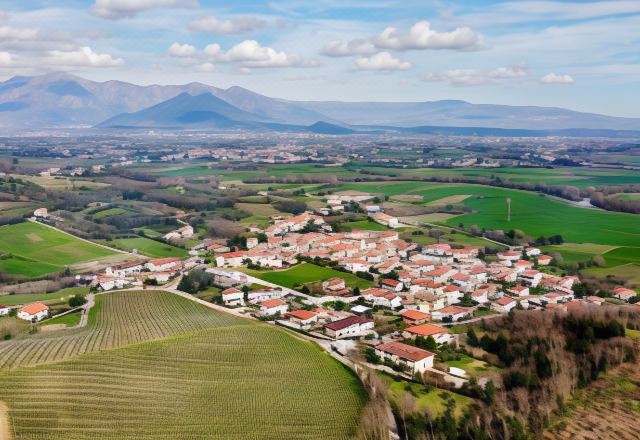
[{"x": 417, "y": 294}]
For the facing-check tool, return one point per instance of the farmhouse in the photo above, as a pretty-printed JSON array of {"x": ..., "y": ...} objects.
[
  {"x": 439, "y": 334},
  {"x": 272, "y": 307},
  {"x": 390, "y": 284},
  {"x": 385, "y": 219},
  {"x": 414, "y": 359},
  {"x": 4, "y": 310},
  {"x": 544, "y": 260},
  {"x": 623, "y": 293},
  {"x": 267, "y": 293},
  {"x": 504, "y": 304},
  {"x": 232, "y": 297},
  {"x": 41, "y": 213},
  {"x": 454, "y": 313},
  {"x": 230, "y": 259},
  {"x": 163, "y": 264},
  {"x": 33, "y": 312},
  {"x": 125, "y": 269},
  {"x": 348, "y": 327},
  {"x": 303, "y": 318},
  {"x": 109, "y": 283},
  {"x": 183, "y": 232},
  {"x": 414, "y": 317}
]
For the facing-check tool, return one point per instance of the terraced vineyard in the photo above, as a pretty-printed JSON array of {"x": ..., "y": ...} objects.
[
  {"x": 231, "y": 379},
  {"x": 117, "y": 319}
]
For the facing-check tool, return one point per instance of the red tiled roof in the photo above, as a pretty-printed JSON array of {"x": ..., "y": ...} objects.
[
  {"x": 404, "y": 351},
  {"x": 415, "y": 315},
  {"x": 427, "y": 330},
  {"x": 34, "y": 308},
  {"x": 270, "y": 303},
  {"x": 302, "y": 314},
  {"x": 347, "y": 322}
]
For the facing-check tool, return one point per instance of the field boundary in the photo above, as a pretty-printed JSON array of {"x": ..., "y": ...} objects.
[{"x": 5, "y": 423}]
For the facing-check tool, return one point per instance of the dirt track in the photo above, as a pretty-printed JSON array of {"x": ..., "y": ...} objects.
[{"x": 5, "y": 425}]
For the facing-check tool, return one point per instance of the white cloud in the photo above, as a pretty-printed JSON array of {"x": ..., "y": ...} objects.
[
  {"x": 341, "y": 48},
  {"x": 6, "y": 59},
  {"x": 235, "y": 25},
  {"x": 382, "y": 61},
  {"x": 213, "y": 50},
  {"x": 473, "y": 77},
  {"x": 251, "y": 54},
  {"x": 421, "y": 36},
  {"x": 182, "y": 50},
  {"x": 117, "y": 9},
  {"x": 81, "y": 57},
  {"x": 206, "y": 67},
  {"x": 552, "y": 78}
]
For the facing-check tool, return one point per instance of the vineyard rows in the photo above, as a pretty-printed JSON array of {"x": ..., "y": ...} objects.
[
  {"x": 240, "y": 381},
  {"x": 117, "y": 319}
]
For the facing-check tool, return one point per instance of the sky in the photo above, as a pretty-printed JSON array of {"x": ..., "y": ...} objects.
[{"x": 583, "y": 55}]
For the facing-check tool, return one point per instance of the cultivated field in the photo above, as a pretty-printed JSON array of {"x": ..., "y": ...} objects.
[
  {"x": 308, "y": 273},
  {"x": 148, "y": 247},
  {"x": 36, "y": 249},
  {"x": 192, "y": 373}
]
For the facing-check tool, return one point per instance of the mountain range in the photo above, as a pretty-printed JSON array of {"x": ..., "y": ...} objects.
[{"x": 62, "y": 100}]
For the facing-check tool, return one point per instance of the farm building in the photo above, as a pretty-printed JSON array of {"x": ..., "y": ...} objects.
[
  {"x": 232, "y": 297},
  {"x": 504, "y": 305},
  {"x": 455, "y": 313},
  {"x": 230, "y": 259},
  {"x": 163, "y": 264},
  {"x": 414, "y": 359},
  {"x": 41, "y": 213},
  {"x": 303, "y": 317},
  {"x": 385, "y": 219},
  {"x": 348, "y": 327},
  {"x": 439, "y": 334},
  {"x": 623, "y": 293},
  {"x": 33, "y": 312},
  {"x": 414, "y": 317},
  {"x": 125, "y": 269},
  {"x": 272, "y": 307},
  {"x": 4, "y": 310}
]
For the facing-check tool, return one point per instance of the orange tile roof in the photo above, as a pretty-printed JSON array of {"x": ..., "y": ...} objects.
[
  {"x": 404, "y": 351},
  {"x": 34, "y": 308},
  {"x": 427, "y": 330}
]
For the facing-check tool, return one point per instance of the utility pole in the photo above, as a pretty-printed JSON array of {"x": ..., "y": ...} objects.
[{"x": 509, "y": 209}]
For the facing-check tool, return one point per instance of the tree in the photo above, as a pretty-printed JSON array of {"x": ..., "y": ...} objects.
[{"x": 77, "y": 301}]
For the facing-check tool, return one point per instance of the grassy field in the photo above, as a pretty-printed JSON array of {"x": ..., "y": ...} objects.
[
  {"x": 37, "y": 249},
  {"x": 148, "y": 247},
  {"x": 308, "y": 273},
  {"x": 48, "y": 298},
  {"x": 199, "y": 374},
  {"x": 108, "y": 212},
  {"x": 68, "y": 320},
  {"x": 366, "y": 225},
  {"x": 631, "y": 197},
  {"x": 536, "y": 215},
  {"x": 470, "y": 365},
  {"x": 428, "y": 398}
]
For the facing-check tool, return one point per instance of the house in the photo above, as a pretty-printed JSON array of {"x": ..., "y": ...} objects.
[
  {"x": 359, "y": 309},
  {"x": 355, "y": 264},
  {"x": 163, "y": 264},
  {"x": 109, "y": 283},
  {"x": 594, "y": 300},
  {"x": 385, "y": 219},
  {"x": 125, "y": 269},
  {"x": 454, "y": 313},
  {"x": 391, "y": 284},
  {"x": 4, "y": 310},
  {"x": 532, "y": 251},
  {"x": 183, "y": 232},
  {"x": 303, "y": 318},
  {"x": 504, "y": 304},
  {"x": 267, "y": 293},
  {"x": 508, "y": 257},
  {"x": 230, "y": 259},
  {"x": 414, "y": 317},
  {"x": 334, "y": 285},
  {"x": 233, "y": 297},
  {"x": 382, "y": 298},
  {"x": 543, "y": 260},
  {"x": 41, "y": 213},
  {"x": 519, "y": 291},
  {"x": 623, "y": 293},
  {"x": 160, "y": 277},
  {"x": 439, "y": 334},
  {"x": 272, "y": 307},
  {"x": 33, "y": 312},
  {"x": 413, "y": 359},
  {"x": 252, "y": 242},
  {"x": 352, "y": 326},
  {"x": 531, "y": 277}
]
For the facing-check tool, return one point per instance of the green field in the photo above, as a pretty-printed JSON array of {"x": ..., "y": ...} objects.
[
  {"x": 183, "y": 371},
  {"x": 536, "y": 215},
  {"x": 470, "y": 365},
  {"x": 366, "y": 225},
  {"x": 108, "y": 212},
  {"x": 37, "y": 250},
  {"x": 148, "y": 247},
  {"x": 48, "y": 298},
  {"x": 631, "y": 197},
  {"x": 308, "y": 273},
  {"x": 427, "y": 398},
  {"x": 69, "y": 320}
]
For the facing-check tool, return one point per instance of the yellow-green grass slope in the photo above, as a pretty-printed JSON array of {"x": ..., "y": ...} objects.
[{"x": 193, "y": 374}]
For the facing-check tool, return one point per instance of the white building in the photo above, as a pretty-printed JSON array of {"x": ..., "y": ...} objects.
[
  {"x": 352, "y": 326},
  {"x": 272, "y": 307},
  {"x": 414, "y": 359},
  {"x": 233, "y": 297},
  {"x": 33, "y": 312},
  {"x": 504, "y": 304}
]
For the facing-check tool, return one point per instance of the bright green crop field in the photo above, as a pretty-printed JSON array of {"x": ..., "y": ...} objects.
[
  {"x": 308, "y": 273},
  {"x": 37, "y": 250},
  {"x": 151, "y": 248},
  {"x": 182, "y": 371},
  {"x": 536, "y": 215}
]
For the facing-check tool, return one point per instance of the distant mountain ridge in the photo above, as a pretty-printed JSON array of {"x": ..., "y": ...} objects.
[{"x": 62, "y": 100}]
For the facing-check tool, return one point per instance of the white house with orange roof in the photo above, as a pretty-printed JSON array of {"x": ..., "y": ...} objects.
[
  {"x": 455, "y": 313},
  {"x": 33, "y": 312},
  {"x": 440, "y": 334},
  {"x": 231, "y": 259},
  {"x": 304, "y": 318},
  {"x": 413, "y": 359},
  {"x": 163, "y": 264},
  {"x": 504, "y": 304},
  {"x": 623, "y": 293},
  {"x": 544, "y": 260},
  {"x": 272, "y": 307},
  {"x": 233, "y": 297}
]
